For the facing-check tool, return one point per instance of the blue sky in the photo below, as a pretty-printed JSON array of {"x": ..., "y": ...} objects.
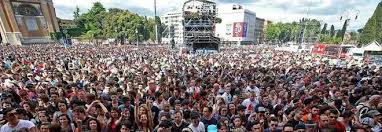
[{"x": 328, "y": 11}]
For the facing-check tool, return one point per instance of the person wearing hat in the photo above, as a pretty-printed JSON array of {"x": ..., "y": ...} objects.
[{"x": 15, "y": 124}]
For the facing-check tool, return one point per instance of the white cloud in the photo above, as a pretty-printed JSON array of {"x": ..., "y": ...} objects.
[{"x": 276, "y": 10}]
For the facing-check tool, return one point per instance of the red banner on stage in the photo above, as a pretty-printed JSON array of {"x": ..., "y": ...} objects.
[{"x": 319, "y": 49}]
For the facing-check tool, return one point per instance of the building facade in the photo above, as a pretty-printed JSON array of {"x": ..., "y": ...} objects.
[
  {"x": 266, "y": 23},
  {"x": 237, "y": 25},
  {"x": 174, "y": 30},
  {"x": 66, "y": 24},
  {"x": 259, "y": 30},
  {"x": 27, "y": 21}
]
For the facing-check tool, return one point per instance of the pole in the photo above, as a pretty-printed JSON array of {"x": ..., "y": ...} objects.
[
  {"x": 47, "y": 30},
  {"x": 307, "y": 16},
  {"x": 156, "y": 24},
  {"x": 136, "y": 32}
]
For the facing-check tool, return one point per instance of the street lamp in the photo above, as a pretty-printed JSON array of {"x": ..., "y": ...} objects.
[{"x": 47, "y": 31}]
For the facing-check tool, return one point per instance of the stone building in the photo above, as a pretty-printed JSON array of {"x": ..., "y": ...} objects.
[{"x": 27, "y": 21}]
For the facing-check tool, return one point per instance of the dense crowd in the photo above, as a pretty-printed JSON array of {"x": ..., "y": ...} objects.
[{"x": 88, "y": 88}]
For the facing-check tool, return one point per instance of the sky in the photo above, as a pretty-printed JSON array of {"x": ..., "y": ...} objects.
[{"x": 326, "y": 11}]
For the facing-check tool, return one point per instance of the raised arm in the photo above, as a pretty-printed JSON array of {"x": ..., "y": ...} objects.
[{"x": 136, "y": 108}]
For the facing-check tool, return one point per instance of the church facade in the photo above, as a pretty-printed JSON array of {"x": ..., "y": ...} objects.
[{"x": 27, "y": 21}]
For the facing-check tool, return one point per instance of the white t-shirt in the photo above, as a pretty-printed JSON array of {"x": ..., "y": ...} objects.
[
  {"x": 255, "y": 90},
  {"x": 250, "y": 105},
  {"x": 200, "y": 127},
  {"x": 21, "y": 125}
]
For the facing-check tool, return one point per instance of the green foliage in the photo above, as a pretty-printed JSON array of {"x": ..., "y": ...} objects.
[
  {"x": 76, "y": 13},
  {"x": 323, "y": 31},
  {"x": 353, "y": 36},
  {"x": 74, "y": 32},
  {"x": 273, "y": 31},
  {"x": 342, "y": 32},
  {"x": 98, "y": 23},
  {"x": 332, "y": 31},
  {"x": 360, "y": 30},
  {"x": 218, "y": 20},
  {"x": 327, "y": 39},
  {"x": 372, "y": 30},
  {"x": 55, "y": 35},
  {"x": 284, "y": 32}
]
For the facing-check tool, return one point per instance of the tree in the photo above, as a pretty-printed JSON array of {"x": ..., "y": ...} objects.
[
  {"x": 327, "y": 39},
  {"x": 76, "y": 13},
  {"x": 372, "y": 30},
  {"x": 369, "y": 33},
  {"x": 218, "y": 20},
  {"x": 273, "y": 31},
  {"x": 353, "y": 36},
  {"x": 92, "y": 22},
  {"x": 115, "y": 23},
  {"x": 97, "y": 8},
  {"x": 285, "y": 32},
  {"x": 332, "y": 31},
  {"x": 342, "y": 32},
  {"x": 323, "y": 31},
  {"x": 115, "y": 10},
  {"x": 378, "y": 18},
  {"x": 360, "y": 31}
]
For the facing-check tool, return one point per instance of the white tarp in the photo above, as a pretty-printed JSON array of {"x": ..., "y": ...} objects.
[{"x": 374, "y": 46}]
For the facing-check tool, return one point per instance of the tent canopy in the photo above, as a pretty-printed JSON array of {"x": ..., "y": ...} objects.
[{"x": 373, "y": 46}]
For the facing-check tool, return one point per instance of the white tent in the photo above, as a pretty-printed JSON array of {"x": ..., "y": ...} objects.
[{"x": 373, "y": 46}]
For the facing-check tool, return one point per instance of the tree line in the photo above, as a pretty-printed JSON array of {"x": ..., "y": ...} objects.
[
  {"x": 98, "y": 23},
  {"x": 373, "y": 28}
]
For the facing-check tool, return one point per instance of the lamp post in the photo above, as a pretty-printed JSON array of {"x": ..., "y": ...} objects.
[
  {"x": 47, "y": 31},
  {"x": 305, "y": 23}
]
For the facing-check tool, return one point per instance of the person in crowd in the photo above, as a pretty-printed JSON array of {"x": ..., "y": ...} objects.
[
  {"x": 178, "y": 123},
  {"x": 152, "y": 88},
  {"x": 93, "y": 125},
  {"x": 196, "y": 125},
  {"x": 44, "y": 127},
  {"x": 15, "y": 124}
]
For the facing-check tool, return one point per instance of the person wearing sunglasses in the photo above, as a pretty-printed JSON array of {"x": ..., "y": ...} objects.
[
  {"x": 15, "y": 124},
  {"x": 273, "y": 123}
]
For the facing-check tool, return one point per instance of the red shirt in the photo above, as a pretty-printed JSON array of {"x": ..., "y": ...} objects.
[{"x": 339, "y": 127}]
